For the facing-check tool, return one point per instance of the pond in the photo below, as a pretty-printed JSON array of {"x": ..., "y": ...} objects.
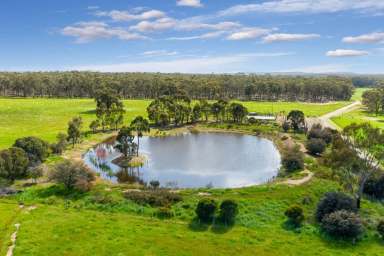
[{"x": 220, "y": 160}]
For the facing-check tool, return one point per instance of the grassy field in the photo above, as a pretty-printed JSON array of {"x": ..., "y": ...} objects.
[
  {"x": 46, "y": 117},
  {"x": 359, "y": 116},
  {"x": 79, "y": 226}
]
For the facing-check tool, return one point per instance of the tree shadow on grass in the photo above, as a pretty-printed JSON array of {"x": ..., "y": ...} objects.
[
  {"x": 290, "y": 226},
  {"x": 197, "y": 226},
  {"x": 89, "y": 112},
  {"x": 60, "y": 191},
  {"x": 221, "y": 228}
]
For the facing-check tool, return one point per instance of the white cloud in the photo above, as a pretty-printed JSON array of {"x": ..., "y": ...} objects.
[
  {"x": 346, "y": 53},
  {"x": 248, "y": 33},
  {"x": 127, "y": 16},
  {"x": 192, "y": 25},
  {"x": 306, "y": 6},
  {"x": 288, "y": 37},
  {"x": 209, "y": 64},
  {"x": 158, "y": 53},
  {"x": 375, "y": 37},
  {"x": 88, "y": 31},
  {"x": 209, "y": 35},
  {"x": 156, "y": 25},
  {"x": 190, "y": 3}
]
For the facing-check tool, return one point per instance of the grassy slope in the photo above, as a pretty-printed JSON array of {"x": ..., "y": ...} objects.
[
  {"x": 53, "y": 229},
  {"x": 46, "y": 117},
  {"x": 359, "y": 115}
]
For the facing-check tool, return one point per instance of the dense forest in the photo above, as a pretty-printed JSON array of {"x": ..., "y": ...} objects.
[{"x": 151, "y": 85}]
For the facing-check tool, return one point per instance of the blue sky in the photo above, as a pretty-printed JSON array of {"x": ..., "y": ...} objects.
[{"x": 193, "y": 36}]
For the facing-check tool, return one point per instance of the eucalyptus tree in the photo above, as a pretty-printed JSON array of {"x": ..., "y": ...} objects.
[
  {"x": 140, "y": 125},
  {"x": 296, "y": 119},
  {"x": 74, "y": 130},
  {"x": 125, "y": 139},
  {"x": 238, "y": 112}
]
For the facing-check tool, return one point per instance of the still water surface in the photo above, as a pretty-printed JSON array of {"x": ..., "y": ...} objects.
[{"x": 221, "y": 160}]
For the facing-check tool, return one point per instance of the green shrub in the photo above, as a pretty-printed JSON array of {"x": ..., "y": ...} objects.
[
  {"x": 73, "y": 175},
  {"x": 380, "y": 228},
  {"x": 334, "y": 201},
  {"x": 36, "y": 149},
  {"x": 13, "y": 164},
  {"x": 286, "y": 125},
  {"x": 315, "y": 146},
  {"x": 375, "y": 187},
  {"x": 228, "y": 211},
  {"x": 164, "y": 213},
  {"x": 293, "y": 159},
  {"x": 295, "y": 214},
  {"x": 155, "y": 184},
  {"x": 342, "y": 224},
  {"x": 154, "y": 198},
  {"x": 206, "y": 209}
]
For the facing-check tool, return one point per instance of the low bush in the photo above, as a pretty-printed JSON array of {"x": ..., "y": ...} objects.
[
  {"x": 295, "y": 215},
  {"x": 164, "y": 213},
  {"x": 73, "y": 175},
  {"x": 334, "y": 201},
  {"x": 315, "y": 146},
  {"x": 155, "y": 184},
  {"x": 228, "y": 212},
  {"x": 154, "y": 198},
  {"x": 317, "y": 132},
  {"x": 380, "y": 228},
  {"x": 286, "y": 125},
  {"x": 293, "y": 159},
  {"x": 342, "y": 224},
  {"x": 206, "y": 209},
  {"x": 375, "y": 187}
]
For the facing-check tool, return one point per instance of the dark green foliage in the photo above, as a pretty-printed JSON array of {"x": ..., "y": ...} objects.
[
  {"x": 35, "y": 173},
  {"x": 375, "y": 187},
  {"x": 125, "y": 139},
  {"x": 72, "y": 175},
  {"x": 155, "y": 184},
  {"x": 380, "y": 228},
  {"x": 154, "y": 198},
  {"x": 140, "y": 125},
  {"x": 238, "y": 112},
  {"x": 317, "y": 132},
  {"x": 334, "y": 201},
  {"x": 293, "y": 159},
  {"x": 342, "y": 224},
  {"x": 151, "y": 86},
  {"x": 36, "y": 149},
  {"x": 228, "y": 211},
  {"x": 295, "y": 214},
  {"x": 206, "y": 209},
  {"x": 109, "y": 109},
  {"x": 297, "y": 120},
  {"x": 74, "y": 130},
  {"x": 315, "y": 146},
  {"x": 13, "y": 164},
  {"x": 60, "y": 145},
  {"x": 286, "y": 126}
]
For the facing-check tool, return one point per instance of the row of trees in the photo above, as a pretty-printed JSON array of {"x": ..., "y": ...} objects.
[
  {"x": 374, "y": 100},
  {"x": 147, "y": 85},
  {"x": 179, "y": 110}
]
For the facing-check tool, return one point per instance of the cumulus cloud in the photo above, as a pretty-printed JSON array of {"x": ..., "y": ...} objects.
[
  {"x": 190, "y": 3},
  {"x": 248, "y": 33},
  {"x": 288, "y": 37},
  {"x": 346, "y": 53},
  {"x": 156, "y": 25},
  {"x": 192, "y": 25},
  {"x": 88, "y": 31},
  {"x": 118, "y": 15},
  {"x": 375, "y": 37},
  {"x": 306, "y": 6}
]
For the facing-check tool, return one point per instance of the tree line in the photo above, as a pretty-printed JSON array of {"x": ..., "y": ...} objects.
[{"x": 154, "y": 85}]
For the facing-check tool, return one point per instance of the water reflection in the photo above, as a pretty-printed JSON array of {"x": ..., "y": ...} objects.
[{"x": 194, "y": 160}]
